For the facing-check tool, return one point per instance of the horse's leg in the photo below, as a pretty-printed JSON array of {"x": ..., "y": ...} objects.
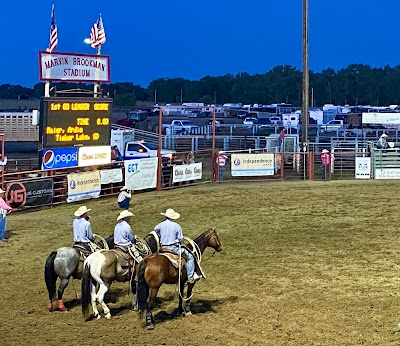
[
  {"x": 100, "y": 297},
  {"x": 93, "y": 300},
  {"x": 61, "y": 288},
  {"x": 188, "y": 312},
  {"x": 149, "y": 316},
  {"x": 181, "y": 293},
  {"x": 134, "y": 294}
]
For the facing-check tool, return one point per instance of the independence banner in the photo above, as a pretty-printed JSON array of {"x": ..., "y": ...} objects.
[
  {"x": 141, "y": 174},
  {"x": 252, "y": 165},
  {"x": 83, "y": 186},
  {"x": 30, "y": 194},
  {"x": 109, "y": 176},
  {"x": 187, "y": 172}
]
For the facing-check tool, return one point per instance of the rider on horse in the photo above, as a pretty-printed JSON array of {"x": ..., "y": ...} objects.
[
  {"x": 83, "y": 234},
  {"x": 171, "y": 235},
  {"x": 124, "y": 238}
]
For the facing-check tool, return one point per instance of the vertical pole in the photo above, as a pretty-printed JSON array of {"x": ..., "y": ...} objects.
[
  {"x": 213, "y": 156},
  {"x": 2, "y": 157},
  {"x": 181, "y": 97},
  {"x": 305, "y": 101},
  {"x": 96, "y": 88},
  {"x": 159, "y": 171}
]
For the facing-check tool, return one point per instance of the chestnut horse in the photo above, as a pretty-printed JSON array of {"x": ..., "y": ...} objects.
[
  {"x": 157, "y": 269},
  {"x": 103, "y": 267}
]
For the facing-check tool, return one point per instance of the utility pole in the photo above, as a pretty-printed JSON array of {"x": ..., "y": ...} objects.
[{"x": 306, "y": 86}]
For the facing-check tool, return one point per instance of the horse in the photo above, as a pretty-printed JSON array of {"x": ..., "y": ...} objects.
[
  {"x": 64, "y": 263},
  {"x": 157, "y": 269},
  {"x": 104, "y": 267}
]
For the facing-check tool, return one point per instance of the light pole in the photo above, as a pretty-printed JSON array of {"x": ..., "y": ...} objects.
[{"x": 306, "y": 86}]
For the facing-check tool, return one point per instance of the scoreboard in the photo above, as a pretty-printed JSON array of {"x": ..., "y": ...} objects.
[{"x": 69, "y": 122}]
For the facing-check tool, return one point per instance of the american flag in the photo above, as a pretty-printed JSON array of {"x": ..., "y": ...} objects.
[
  {"x": 53, "y": 32},
  {"x": 97, "y": 35}
]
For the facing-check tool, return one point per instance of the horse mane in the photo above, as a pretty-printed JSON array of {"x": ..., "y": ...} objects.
[{"x": 201, "y": 239}]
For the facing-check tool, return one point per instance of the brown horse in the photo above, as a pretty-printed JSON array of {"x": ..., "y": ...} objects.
[
  {"x": 156, "y": 270},
  {"x": 102, "y": 268}
]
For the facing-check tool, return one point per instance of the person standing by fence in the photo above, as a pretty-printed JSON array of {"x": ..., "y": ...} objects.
[
  {"x": 4, "y": 210},
  {"x": 327, "y": 160},
  {"x": 221, "y": 162},
  {"x": 281, "y": 139}
]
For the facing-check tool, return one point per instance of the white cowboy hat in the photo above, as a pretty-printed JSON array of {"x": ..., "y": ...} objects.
[
  {"x": 171, "y": 214},
  {"x": 82, "y": 210},
  {"x": 123, "y": 214},
  {"x": 325, "y": 151},
  {"x": 384, "y": 135},
  {"x": 124, "y": 188},
  {"x": 1, "y": 190},
  {"x": 221, "y": 152},
  {"x": 391, "y": 144}
]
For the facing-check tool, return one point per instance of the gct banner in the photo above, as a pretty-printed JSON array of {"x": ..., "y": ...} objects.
[
  {"x": 252, "y": 164},
  {"x": 141, "y": 174},
  {"x": 187, "y": 172},
  {"x": 59, "y": 158},
  {"x": 29, "y": 194},
  {"x": 83, "y": 186}
]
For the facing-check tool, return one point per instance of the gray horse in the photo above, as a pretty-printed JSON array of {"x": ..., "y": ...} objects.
[{"x": 64, "y": 263}]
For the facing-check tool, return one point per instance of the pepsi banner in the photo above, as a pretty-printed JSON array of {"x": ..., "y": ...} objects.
[
  {"x": 29, "y": 194},
  {"x": 59, "y": 158}
]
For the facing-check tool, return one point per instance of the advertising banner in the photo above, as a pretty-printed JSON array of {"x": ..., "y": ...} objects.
[
  {"x": 59, "y": 158},
  {"x": 247, "y": 165},
  {"x": 83, "y": 186},
  {"x": 381, "y": 118},
  {"x": 74, "y": 67},
  {"x": 187, "y": 172},
  {"x": 28, "y": 194},
  {"x": 141, "y": 174},
  {"x": 363, "y": 168},
  {"x": 387, "y": 173},
  {"x": 109, "y": 176},
  {"x": 90, "y": 156}
]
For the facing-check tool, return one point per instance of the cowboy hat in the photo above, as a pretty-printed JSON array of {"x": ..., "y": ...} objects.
[
  {"x": 384, "y": 135},
  {"x": 171, "y": 214},
  {"x": 1, "y": 190},
  {"x": 124, "y": 188},
  {"x": 325, "y": 151},
  {"x": 221, "y": 152},
  {"x": 82, "y": 210},
  {"x": 391, "y": 144},
  {"x": 123, "y": 214}
]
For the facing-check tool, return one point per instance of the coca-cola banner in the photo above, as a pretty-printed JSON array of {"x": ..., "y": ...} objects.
[{"x": 187, "y": 172}]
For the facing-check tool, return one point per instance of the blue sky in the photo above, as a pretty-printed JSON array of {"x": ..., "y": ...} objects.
[{"x": 192, "y": 39}]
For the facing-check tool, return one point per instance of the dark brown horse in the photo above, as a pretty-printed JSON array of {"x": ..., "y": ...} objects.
[{"x": 156, "y": 270}]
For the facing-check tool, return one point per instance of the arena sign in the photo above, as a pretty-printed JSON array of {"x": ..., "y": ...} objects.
[
  {"x": 74, "y": 67},
  {"x": 56, "y": 158},
  {"x": 252, "y": 165},
  {"x": 69, "y": 122}
]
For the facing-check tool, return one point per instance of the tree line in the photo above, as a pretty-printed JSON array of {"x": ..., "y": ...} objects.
[{"x": 356, "y": 84}]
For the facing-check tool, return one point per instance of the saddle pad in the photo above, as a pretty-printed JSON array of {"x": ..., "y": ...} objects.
[
  {"x": 174, "y": 259},
  {"x": 124, "y": 258}
]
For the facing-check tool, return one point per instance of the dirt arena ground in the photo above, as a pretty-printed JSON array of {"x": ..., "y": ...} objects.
[{"x": 304, "y": 263}]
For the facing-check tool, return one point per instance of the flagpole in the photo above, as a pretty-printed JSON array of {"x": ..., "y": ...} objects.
[{"x": 97, "y": 85}]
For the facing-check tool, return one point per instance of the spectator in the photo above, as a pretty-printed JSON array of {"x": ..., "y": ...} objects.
[
  {"x": 190, "y": 158},
  {"x": 327, "y": 160},
  {"x": 124, "y": 198},
  {"x": 115, "y": 154},
  {"x": 221, "y": 162},
  {"x": 4, "y": 210},
  {"x": 382, "y": 142},
  {"x": 281, "y": 139}
]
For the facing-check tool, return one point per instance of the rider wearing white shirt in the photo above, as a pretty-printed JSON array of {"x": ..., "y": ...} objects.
[
  {"x": 83, "y": 234},
  {"x": 123, "y": 234}
]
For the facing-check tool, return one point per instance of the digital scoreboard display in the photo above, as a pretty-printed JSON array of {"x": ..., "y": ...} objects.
[{"x": 67, "y": 122}]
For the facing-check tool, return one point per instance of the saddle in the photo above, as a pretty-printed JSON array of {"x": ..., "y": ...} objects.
[
  {"x": 83, "y": 251},
  {"x": 125, "y": 258},
  {"x": 174, "y": 258}
]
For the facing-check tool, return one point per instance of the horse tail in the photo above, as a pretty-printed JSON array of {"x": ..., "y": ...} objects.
[
  {"x": 142, "y": 288},
  {"x": 50, "y": 275},
  {"x": 85, "y": 290}
]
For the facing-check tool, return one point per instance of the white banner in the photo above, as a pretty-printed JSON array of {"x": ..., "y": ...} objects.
[
  {"x": 141, "y": 174},
  {"x": 252, "y": 165},
  {"x": 381, "y": 118},
  {"x": 363, "y": 167},
  {"x": 90, "y": 156},
  {"x": 83, "y": 186},
  {"x": 387, "y": 173},
  {"x": 189, "y": 172},
  {"x": 109, "y": 176},
  {"x": 74, "y": 67}
]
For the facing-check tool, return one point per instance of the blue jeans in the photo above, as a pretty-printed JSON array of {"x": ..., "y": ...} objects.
[
  {"x": 190, "y": 262},
  {"x": 2, "y": 227},
  {"x": 124, "y": 204},
  {"x": 221, "y": 173}
]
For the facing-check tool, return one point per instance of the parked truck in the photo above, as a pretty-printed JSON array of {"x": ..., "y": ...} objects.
[{"x": 184, "y": 127}]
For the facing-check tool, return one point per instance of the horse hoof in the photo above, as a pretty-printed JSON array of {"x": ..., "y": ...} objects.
[
  {"x": 189, "y": 313},
  {"x": 50, "y": 307},
  {"x": 97, "y": 317},
  {"x": 108, "y": 316},
  {"x": 150, "y": 327}
]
